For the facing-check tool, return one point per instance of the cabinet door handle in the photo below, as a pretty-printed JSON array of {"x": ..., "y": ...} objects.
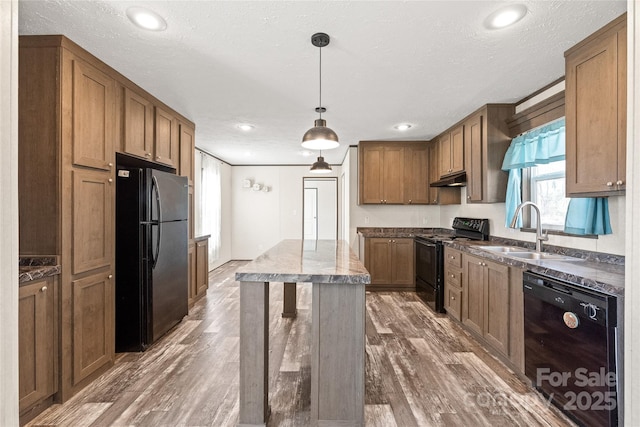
[
  {"x": 110, "y": 276},
  {"x": 452, "y": 276},
  {"x": 148, "y": 154},
  {"x": 620, "y": 182},
  {"x": 468, "y": 197},
  {"x": 479, "y": 262},
  {"x": 453, "y": 298},
  {"x": 110, "y": 165},
  {"x": 157, "y": 157},
  {"x": 43, "y": 289},
  {"x": 110, "y": 179},
  {"x": 410, "y": 199},
  {"x": 609, "y": 184}
]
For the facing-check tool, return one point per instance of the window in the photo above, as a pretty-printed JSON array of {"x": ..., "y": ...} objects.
[{"x": 545, "y": 186}]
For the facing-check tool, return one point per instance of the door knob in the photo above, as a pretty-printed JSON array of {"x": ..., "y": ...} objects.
[{"x": 620, "y": 182}]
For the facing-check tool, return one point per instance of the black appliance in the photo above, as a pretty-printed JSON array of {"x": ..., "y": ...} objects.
[
  {"x": 151, "y": 255},
  {"x": 570, "y": 348},
  {"x": 429, "y": 252}
]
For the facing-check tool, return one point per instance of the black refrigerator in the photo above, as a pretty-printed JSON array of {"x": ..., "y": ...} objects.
[{"x": 151, "y": 255}]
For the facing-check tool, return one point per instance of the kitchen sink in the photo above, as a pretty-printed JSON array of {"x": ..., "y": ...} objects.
[
  {"x": 503, "y": 249},
  {"x": 523, "y": 253}
]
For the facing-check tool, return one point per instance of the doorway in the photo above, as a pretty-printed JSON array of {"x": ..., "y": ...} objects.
[{"x": 320, "y": 208}]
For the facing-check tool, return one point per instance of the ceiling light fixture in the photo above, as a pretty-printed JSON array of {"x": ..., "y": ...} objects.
[
  {"x": 320, "y": 166},
  {"x": 402, "y": 126},
  {"x": 505, "y": 16},
  {"x": 245, "y": 127},
  {"x": 320, "y": 137},
  {"x": 146, "y": 19}
]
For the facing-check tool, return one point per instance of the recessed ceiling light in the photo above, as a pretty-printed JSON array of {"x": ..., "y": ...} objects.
[
  {"x": 245, "y": 126},
  {"x": 505, "y": 16},
  {"x": 146, "y": 19},
  {"x": 402, "y": 126}
]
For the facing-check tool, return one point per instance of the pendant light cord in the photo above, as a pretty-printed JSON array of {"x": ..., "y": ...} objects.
[{"x": 320, "y": 74}]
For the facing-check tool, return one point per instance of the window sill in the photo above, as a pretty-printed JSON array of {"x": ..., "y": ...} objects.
[{"x": 559, "y": 233}]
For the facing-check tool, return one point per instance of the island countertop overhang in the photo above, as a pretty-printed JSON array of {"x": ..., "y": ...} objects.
[{"x": 315, "y": 261}]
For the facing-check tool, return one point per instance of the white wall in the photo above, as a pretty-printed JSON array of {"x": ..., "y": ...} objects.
[
  {"x": 632, "y": 295},
  {"x": 261, "y": 220},
  {"x": 9, "y": 213}
]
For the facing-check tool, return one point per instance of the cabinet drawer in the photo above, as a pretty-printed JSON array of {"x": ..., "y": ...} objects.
[
  {"x": 452, "y": 258},
  {"x": 453, "y": 301},
  {"x": 453, "y": 277}
]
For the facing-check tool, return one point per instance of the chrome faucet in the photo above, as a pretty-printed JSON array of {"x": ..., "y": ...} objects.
[{"x": 540, "y": 237}]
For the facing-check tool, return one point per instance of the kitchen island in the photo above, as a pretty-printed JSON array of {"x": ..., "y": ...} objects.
[{"x": 338, "y": 329}]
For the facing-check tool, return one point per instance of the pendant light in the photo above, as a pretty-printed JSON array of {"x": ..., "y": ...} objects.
[
  {"x": 320, "y": 137},
  {"x": 320, "y": 166}
]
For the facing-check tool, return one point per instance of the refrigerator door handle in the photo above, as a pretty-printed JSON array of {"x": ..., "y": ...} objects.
[{"x": 156, "y": 190}]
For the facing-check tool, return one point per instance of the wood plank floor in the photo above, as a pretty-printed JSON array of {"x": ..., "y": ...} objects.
[{"x": 422, "y": 370}]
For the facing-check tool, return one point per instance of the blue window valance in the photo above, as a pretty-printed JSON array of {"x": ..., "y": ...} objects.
[
  {"x": 540, "y": 146},
  {"x": 537, "y": 147}
]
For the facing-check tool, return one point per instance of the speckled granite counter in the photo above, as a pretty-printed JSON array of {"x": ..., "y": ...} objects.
[
  {"x": 337, "y": 328},
  {"x": 397, "y": 232},
  {"x": 600, "y": 276},
  {"x": 316, "y": 261},
  {"x": 36, "y": 267}
]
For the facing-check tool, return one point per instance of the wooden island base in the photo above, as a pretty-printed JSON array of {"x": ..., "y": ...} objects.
[{"x": 338, "y": 329}]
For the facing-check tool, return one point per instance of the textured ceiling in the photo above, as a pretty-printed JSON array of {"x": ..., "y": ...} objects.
[{"x": 221, "y": 63}]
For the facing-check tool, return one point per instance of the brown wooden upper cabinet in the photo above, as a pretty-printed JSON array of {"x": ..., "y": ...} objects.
[
  {"x": 150, "y": 131},
  {"x": 167, "y": 145},
  {"x": 596, "y": 86},
  {"x": 138, "y": 124},
  {"x": 439, "y": 195},
  {"x": 452, "y": 151},
  {"x": 187, "y": 151},
  {"x": 93, "y": 114},
  {"x": 486, "y": 142},
  {"x": 394, "y": 172}
]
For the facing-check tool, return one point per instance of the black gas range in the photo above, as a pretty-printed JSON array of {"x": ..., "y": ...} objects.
[{"x": 430, "y": 257}]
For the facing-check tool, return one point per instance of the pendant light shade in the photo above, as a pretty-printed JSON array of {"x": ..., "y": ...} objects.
[
  {"x": 320, "y": 166},
  {"x": 320, "y": 137}
]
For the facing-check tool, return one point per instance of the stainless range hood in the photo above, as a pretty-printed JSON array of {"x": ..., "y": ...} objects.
[{"x": 455, "y": 180}]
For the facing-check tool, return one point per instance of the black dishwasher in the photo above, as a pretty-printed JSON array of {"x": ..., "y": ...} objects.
[{"x": 570, "y": 344}]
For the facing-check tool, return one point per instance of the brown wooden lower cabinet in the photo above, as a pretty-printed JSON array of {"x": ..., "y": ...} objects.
[
  {"x": 38, "y": 345},
  {"x": 390, "y": 262},
  {"x": 198, "y": 268},
  {"x": 486, "y": 297},
  {"x": 485, "y": 300},
  {"x": 453, "y": 283}
]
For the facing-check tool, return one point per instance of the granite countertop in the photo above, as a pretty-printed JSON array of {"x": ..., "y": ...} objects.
[
  {"x": 394, "y": 232},
  {"x": 317, "y": 261},
  {"x": 32, "y": 268},
  {"x": 597, "y": 275}
]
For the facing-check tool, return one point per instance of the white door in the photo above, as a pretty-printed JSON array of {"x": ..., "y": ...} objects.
[
  {"x": 310, "y": 210},
  {"x": 321, "y": 202}
]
